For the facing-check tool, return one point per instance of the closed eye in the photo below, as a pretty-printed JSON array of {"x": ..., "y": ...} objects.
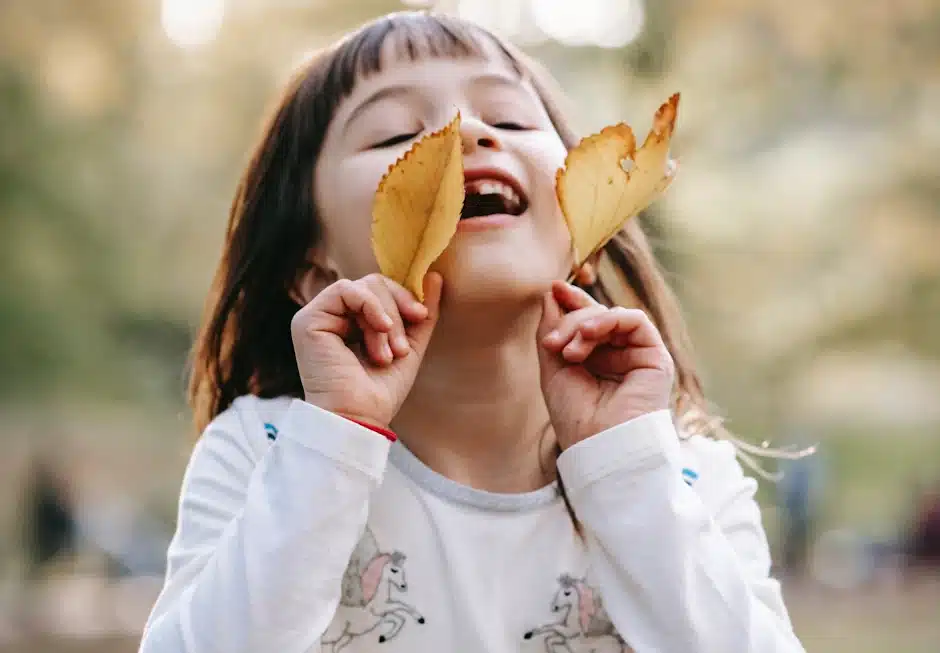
[
  {"x": 394, "y": 140},
  {"x": 511, "y": 126}
]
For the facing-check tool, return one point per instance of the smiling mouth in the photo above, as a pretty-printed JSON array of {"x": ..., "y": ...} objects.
[{"x": 484, "y": 196}]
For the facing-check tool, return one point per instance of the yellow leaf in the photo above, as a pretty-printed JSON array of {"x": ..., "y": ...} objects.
[
  {"x": 597, "y": 195},
  {"x": 417, "y": 207}
]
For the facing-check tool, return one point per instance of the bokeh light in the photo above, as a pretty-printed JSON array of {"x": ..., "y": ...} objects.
[
  {"x": 604, "y": 23},
  {"x": 598, "y": 23},
  {"x": 191, "y": 23},
  {"x": 499, "y": 16}
]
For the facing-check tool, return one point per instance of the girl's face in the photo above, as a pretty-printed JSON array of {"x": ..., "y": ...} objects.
[{"x": 508, "y": 139}]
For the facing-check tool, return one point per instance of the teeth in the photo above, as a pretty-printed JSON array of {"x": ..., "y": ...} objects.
[{"x": 492, "y": 187}]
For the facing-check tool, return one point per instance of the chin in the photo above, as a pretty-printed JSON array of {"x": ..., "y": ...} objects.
[
  {"x": 498, "y": 274},
  {"x": 494, "y": 289},
  {"x": 507, "y": 264}
]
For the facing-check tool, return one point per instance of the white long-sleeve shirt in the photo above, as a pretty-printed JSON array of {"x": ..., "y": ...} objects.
[{"x": 300, "y": 531}]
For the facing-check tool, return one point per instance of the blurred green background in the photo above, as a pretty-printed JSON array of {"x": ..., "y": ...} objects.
[{"x": 802, "y": 235}]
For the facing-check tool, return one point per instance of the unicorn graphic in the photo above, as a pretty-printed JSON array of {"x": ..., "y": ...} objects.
[
  {"x": 367, "y": 602},
  {"x": 582, "y": 626}
]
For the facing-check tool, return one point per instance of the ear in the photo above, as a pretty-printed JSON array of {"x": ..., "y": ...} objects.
[{"x": 318, "y": 272}]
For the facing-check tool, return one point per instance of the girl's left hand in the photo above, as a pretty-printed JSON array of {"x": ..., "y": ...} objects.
[{"x": 600, "y": 366}]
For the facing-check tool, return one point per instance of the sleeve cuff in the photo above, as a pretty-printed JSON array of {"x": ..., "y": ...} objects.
[
  {"x": 337, "y": 438},
  {"x": 645, "y": 441}
]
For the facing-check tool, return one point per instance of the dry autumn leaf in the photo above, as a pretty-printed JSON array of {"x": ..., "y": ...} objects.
[
  {"x": 417, "y": 207},
  {"x": 598, "y": 195}
]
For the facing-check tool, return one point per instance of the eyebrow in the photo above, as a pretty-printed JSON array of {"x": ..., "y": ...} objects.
[
  {"x": 488, "y": 79},
  {"x": 378, "y": 96},
  {"x": 497, "y": 79}
]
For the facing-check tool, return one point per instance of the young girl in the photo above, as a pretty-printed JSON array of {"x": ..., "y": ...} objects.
[{"x": 538, "y": 496}]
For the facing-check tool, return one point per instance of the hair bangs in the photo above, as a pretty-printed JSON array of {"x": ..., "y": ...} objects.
[{"x": 408, "y": 36}]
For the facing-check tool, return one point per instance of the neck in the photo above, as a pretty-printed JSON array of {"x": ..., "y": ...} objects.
[{"x": 475, "y": 413}]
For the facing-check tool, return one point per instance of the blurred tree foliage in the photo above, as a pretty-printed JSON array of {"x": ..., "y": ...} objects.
[
  {"x": 67, "y": 192},
  {"x": 50, "y": 282},
  {"x": 802, "y": 233}
]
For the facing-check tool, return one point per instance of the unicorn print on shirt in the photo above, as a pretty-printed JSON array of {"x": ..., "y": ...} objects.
[
  {"x": 582, "y": 625},
  {"x": 368, "y": 603}
]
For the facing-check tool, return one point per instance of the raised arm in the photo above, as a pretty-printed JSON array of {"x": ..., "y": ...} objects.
[
  {"x": 261, "y": 545},
  {"x": 680, "y": 567},
  {"x": 258, "y": 558}
]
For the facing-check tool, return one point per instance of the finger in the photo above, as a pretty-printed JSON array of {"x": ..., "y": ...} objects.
[
  {"x": 322, "y": 322},
  {"x": 433, "y": 290},
  {"x": 570, "y": 297},
  {"x": 630, "y": 327},
  {"x": 617, "y": 339},
  {"x": 376, "y": 343},
  {"x": 346, "y": 298},
  {"x": 420, "y": 332},
  {"x": 550, "y": 318},
  {"x": 549, "y": 362},
  {"x": 569, "y": 325},
  {"x": 613, "y": 328},
  {"x": 579, "y": 349},
  {"x": 608, "y": 361},
  {"x": 409, "y": 307},
  {"x": 400, "y": 346}
]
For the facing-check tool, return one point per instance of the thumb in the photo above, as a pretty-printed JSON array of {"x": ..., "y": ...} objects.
[
  {"x": 549, "y": 362},
  {"x": 421, "y": 333}
]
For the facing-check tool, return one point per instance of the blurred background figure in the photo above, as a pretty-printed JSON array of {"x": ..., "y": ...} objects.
[
  {"x": 801, "y": 232},
  {"x": 49, "y": 523},
  {"x": 800, "y": 501},
  {"x": 49, "y": 535},
  {"x": 923, "y": 540}
]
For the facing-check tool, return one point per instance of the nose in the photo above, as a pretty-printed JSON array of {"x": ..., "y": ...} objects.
[{"x": 476, "y": 135}]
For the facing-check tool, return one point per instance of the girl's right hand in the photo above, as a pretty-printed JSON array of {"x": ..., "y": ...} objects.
[{"x": 359, "y": 345}]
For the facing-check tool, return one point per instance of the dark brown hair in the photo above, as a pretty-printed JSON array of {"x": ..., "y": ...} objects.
[{"x": 244, "y": 345}]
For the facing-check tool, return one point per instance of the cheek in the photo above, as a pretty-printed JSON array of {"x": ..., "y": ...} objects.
[
  {"x": 355, "y": 186},
  {"x": 548, "y": 155},
  {"x": 545, "y": 157},
  {"x": 345, "y": 193}
]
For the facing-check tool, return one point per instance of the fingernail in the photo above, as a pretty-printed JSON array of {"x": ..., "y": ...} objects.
[
  {"x": 552, "y": 338},
  {"x": 387, "y": 351},
  {"x": 589, "y": 324},
  {"x": 401, "y": 342}
]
